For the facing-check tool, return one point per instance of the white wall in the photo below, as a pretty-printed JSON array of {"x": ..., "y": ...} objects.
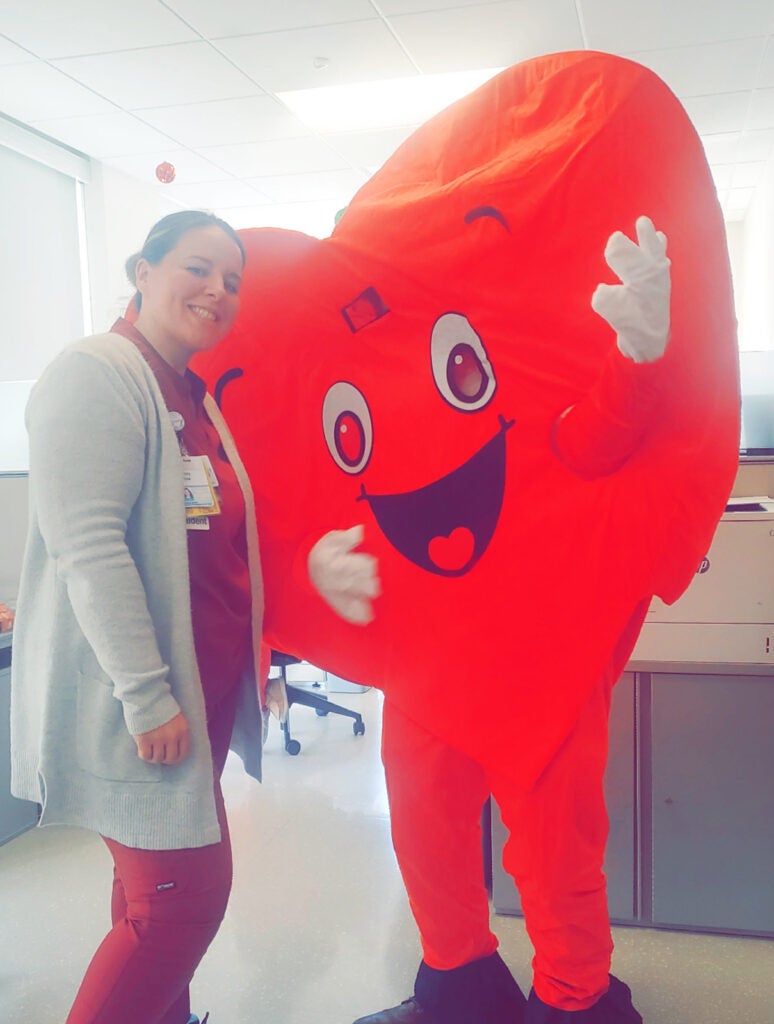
[
  {"x": 755, "y": 298},
  {"x": 119, "y": 213}
]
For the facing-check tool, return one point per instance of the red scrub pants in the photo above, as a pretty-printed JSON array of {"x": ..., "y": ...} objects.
[
  {"x": 167, "y": 906},
  {"x": 558, "y": 831}
]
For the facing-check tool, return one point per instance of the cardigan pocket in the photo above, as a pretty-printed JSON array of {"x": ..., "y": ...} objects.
[{"x": 105, "y": 747}]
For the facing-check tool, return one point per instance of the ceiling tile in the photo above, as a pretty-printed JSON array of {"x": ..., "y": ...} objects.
[
  {"x": 10, "y": 53},
  {"x": 706, "y": 70},
  {"x": 766, "y": 73},
  {"x": 390, "y": 7},
  {"x": 733, "y": 216},
  {"x": 226, "y": 122},
  {"x": 488, "y": 35},
  {"x": 621, "y": 26},
  {"x": 290, "y": 188},
  {"x": 211, "y": 195},
  {"x": 739, "y": 198},
  {"x": 274, "y": 157},
  {"x": 102, "y": 135},
  {"x": 66, "y": 29},
  {"x": 721, "y": 148},
  {"x": 368, "y": 149},
  {"x": 30, "y": 92},
  {"x": 761, "y": 114},
  {"x": 757, "y": 145},
  {"x": 722, "y": 175},
  {"x": 189, "y": 167},
  {"x": 187, "y": 73},
  {"x": 722, "y": 113},
  {"x": 246, "y": 17},
  {"x": 360, "y": 51},
  {"x": 747, "y": 175}
]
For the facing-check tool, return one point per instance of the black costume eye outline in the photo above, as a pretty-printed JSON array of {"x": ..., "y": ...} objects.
[
  {"x": 348, "y": 427},
  {"x": 461, "y": 367}
]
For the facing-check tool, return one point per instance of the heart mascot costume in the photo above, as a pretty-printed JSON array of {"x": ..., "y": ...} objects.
[{"x": 509, "y": 380}]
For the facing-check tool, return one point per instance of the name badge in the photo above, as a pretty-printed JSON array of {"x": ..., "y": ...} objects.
[{"x": 198, "y": 488}]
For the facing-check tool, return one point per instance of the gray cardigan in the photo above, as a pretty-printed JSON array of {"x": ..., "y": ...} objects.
[{"x": 103, "y": 643}]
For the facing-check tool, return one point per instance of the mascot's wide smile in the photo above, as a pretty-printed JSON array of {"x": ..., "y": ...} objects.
[{"x": 446, "y": 526}]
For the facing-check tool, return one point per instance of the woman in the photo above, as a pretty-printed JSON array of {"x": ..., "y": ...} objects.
[{"x": 139, "y": 618}]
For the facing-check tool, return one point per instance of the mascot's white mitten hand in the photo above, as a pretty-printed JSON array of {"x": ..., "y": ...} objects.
[
  {"x": 638, "y": 308},
  {"x": 346, "y": 579}
]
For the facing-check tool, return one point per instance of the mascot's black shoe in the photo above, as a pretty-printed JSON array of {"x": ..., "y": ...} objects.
[
  {"x": 408, "y": 1012},
  {"x": 481, "y": 992},
  {"x": 615, "y": 1007}
]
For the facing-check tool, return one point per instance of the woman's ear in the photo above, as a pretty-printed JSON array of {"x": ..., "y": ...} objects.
[{"x": 141, "y": 272}]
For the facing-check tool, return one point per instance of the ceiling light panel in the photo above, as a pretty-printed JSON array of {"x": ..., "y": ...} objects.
[{"x": 385, "y": 104}]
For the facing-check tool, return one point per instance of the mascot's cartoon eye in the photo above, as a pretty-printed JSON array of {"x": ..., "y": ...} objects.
[
  {"x": 347, "y": 427},
  {"x": 461, "y": 367}
]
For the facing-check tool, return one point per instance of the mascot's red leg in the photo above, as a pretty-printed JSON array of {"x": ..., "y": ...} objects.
[
  {"x": 436, "y": 798},
  {"x": 555, "y": 852}
]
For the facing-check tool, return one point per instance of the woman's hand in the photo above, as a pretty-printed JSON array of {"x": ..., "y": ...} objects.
[{"x": 168, "y": 744}]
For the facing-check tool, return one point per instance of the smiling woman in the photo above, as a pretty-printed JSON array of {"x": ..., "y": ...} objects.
[
  {"x": 139, "y": 618},
  {"x": 187, "y": 276}
]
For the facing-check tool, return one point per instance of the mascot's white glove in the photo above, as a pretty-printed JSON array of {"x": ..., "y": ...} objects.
[
  {"x": 638, "y": 308},
  {"x": 346, "y": 579}
]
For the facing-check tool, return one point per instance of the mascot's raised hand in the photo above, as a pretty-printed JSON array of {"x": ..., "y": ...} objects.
[{"x": 638, "y": 308}]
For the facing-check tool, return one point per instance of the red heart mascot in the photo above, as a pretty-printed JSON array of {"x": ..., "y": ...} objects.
[{"x": 526, "y": 468}]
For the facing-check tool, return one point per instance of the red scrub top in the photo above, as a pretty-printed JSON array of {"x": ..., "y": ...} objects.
[{"x": 218, "y": 570}]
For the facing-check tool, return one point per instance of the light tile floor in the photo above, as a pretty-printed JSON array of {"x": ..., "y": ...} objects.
[{"x": 318, "y": 930}]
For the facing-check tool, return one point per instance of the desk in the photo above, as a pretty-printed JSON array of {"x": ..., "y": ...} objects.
[{"x": 15, "y": 815}]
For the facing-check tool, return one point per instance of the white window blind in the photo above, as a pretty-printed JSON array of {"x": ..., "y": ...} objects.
[{"x": 41, "y": 287}]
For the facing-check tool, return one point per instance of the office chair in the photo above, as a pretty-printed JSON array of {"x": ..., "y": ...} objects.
[{"x": 318, "y": 701}]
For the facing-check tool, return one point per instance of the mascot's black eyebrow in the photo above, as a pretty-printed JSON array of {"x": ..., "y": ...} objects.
[{"x": 487, "y": 211}]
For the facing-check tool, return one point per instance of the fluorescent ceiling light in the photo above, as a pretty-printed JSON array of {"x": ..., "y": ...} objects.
[{"x": 390, "y": 103}]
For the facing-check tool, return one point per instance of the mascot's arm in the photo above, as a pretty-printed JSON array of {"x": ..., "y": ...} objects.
[
  {"x": 598, "y": 434},
  {"x": 346, "y": 579}
]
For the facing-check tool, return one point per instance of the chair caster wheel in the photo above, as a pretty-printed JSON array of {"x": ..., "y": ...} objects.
[
  {"x": 358, "y": 728},
  {"x": 321, "y": 713},
  {"x": 293, "y": 747}
]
